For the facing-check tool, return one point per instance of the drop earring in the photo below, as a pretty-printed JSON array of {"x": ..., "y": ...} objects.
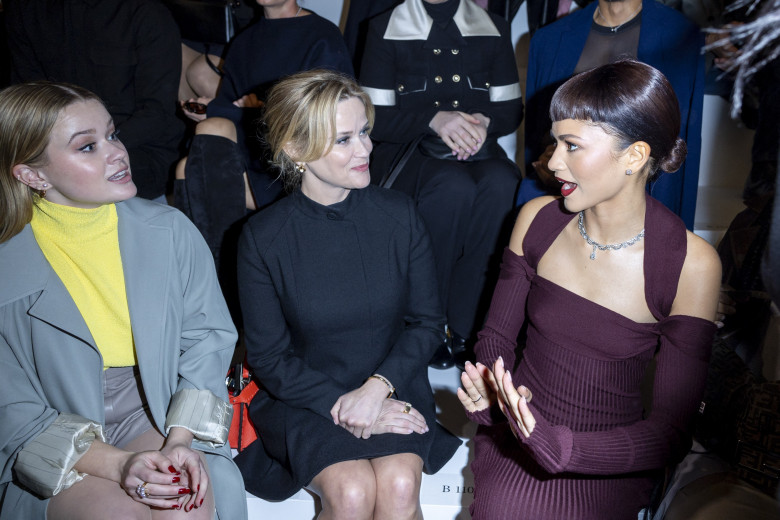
[{"x": 45, "y": 186}]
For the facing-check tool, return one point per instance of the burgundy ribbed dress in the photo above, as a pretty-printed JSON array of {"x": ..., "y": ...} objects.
[{"x": 591, "y": 453}]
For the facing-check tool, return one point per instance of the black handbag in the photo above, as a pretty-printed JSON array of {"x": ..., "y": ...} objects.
[{"x": 209, "y": 21}]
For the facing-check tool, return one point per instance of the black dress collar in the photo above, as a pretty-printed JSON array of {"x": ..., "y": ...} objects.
[{"x": 338, "y": 211}]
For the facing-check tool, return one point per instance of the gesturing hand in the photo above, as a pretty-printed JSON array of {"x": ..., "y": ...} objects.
[
  {"x": 393, "y": 419},
  {"x": 514, "y": 402},
  {"x": 248, "y": 101},
  {"x": 463, "y": 133},
  {"x": 479, "y": 388},
  {"x": 356, "y": 411}
]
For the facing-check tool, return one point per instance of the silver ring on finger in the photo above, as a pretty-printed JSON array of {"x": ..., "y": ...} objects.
[
  {"x": 140, "y": 490},
  {"x": 478, "y": 399}
]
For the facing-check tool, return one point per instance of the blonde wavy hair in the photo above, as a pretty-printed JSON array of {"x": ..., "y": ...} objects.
[
  {"x": 28, "y": 113},
  {"x": 300, "y": 118}
]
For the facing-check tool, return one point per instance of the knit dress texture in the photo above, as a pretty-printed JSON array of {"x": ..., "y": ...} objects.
[
  {"x": 331, "y": 295},
  {"x": 593, "y": 450}
]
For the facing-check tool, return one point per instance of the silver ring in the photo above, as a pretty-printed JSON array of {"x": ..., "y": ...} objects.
[
  {"x": 140, "y": 490},
  {"x": 478, "y": 399},
  {"x": 407, "y": 407}
]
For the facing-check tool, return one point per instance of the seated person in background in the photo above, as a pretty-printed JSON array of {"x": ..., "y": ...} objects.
[
  {"x": 602, "y": 33},
  {"x": 126, "y": 51},
  {"x": 608, "y": 279},
  {"x": 443, "y": 78},
  {"x": 201, "y": 70},
  {"x": 226, "y": 171},
  {"x": 202, "y": 48},
  {"x": 341, "y": 315},
  {"x": 114, "y": 336}
]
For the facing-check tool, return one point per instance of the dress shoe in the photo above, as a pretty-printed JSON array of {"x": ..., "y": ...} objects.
[
  {"x": 461, "y": 349},
  {"x": 442, "y": 358}
]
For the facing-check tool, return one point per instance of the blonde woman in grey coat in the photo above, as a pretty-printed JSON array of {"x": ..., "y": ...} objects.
[{"x": 114, "y": 336}]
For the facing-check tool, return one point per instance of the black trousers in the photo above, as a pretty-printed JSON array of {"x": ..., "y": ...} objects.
[{"x": 465, "y": 206}]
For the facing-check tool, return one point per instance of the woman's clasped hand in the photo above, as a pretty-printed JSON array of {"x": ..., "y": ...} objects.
[
  {"x": 367, "y": 411},
  {"x": 152, "y": 478}
]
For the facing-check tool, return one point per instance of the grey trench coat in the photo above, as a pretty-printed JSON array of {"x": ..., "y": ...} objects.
[{"x": 49, "y": 364}]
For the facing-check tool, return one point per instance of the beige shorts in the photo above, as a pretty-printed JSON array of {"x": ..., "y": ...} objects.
[{"x": 127, "y": 413}]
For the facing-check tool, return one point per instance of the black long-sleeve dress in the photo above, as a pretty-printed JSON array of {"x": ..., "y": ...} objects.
[{"x": 331, "y": 295}]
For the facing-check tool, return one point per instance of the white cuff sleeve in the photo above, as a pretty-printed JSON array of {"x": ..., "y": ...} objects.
[
  {"x": 45, "y": 464},
  {"x": 201, "y": 412}
]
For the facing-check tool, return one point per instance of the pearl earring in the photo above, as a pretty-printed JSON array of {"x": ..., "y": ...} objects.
[{"x": 300, "y": 168}]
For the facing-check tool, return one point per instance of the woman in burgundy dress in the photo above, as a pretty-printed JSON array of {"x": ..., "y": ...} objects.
[{"x": 606, "y": 280}]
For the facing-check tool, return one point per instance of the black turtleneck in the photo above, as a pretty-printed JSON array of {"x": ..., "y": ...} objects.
[{"x": 442, "y": 13}]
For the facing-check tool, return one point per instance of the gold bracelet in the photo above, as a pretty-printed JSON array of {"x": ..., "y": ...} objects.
[{"x": 385, "y": 381}]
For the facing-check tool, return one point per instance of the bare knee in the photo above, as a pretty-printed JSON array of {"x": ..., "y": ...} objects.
[
  {"x": 400, "y": 492},
  {"x": 347, "y": 490},
  {"x": 180, "y": 168},
  {"x": 217, "y": 126},
  {"x": 204, "y": 80},
  {"x": 399, "y": 481},
  {"x": 404, "y": 488},
  {"x": 351, "y": 499}
]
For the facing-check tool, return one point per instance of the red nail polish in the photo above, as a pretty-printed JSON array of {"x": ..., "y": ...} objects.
[
  {"x": 201, "y": 502},
  {"x": 198, "y": 487},
  {"x": 174, "y": 480},
  {"x": 184, "y": 491},
  {"x": 175, "y": 506},
  {"x": 171, "y": 469}
]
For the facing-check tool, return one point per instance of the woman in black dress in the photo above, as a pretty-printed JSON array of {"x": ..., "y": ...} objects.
[{"x": 341, "y": 313}]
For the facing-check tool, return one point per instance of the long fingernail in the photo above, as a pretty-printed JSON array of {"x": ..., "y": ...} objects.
[
  {"x": 175, "y": 506},
  {"x": 201, "y": 502},
  {"x": 174, "y": 480},
  {"x": 185, "y": 491},
  {"x": 172, "y": 470},
  {"x": 198, "y": 487}
]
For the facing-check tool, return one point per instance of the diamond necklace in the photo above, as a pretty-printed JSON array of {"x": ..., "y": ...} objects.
[
  {"x": 600, "y": 247},
  {"x": 614, "y": 28}
]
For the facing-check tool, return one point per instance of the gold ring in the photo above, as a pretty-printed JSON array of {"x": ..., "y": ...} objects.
[
  {"x": 407, "y": 407},
  {"x": 140, "y": 490}
]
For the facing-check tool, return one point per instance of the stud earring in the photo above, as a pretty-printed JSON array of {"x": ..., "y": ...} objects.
[
  {"x": 43, "y": 191},
  {"x": 629, "y": 172},
  {"x": 300, "y": 168}
]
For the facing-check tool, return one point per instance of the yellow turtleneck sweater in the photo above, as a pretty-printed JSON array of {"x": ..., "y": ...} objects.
[{"x": 82, "y": 246}]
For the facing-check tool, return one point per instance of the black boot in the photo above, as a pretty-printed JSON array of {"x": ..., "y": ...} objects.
[
  {"x": 461, "y": 349},
  {"x": 442, "y": 358}
]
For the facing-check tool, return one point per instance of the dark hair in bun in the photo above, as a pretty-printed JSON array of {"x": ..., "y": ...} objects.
[{"x": 632, "y": 101}]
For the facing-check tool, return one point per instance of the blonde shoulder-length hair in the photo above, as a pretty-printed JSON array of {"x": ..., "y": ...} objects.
[
  {"x": 28, "y": 113},
  {"x": 300, "y": 118}
]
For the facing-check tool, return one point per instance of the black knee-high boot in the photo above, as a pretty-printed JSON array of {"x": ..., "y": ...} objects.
[{"x": 213, "y": 195}]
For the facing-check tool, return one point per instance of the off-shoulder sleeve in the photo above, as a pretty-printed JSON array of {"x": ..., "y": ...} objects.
[
  {"x": 46, "y": 464},
  {"x": 505, "y": 318},
  {"x": 507, "y": 311},
  {"x": 681, "y": 370}
]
